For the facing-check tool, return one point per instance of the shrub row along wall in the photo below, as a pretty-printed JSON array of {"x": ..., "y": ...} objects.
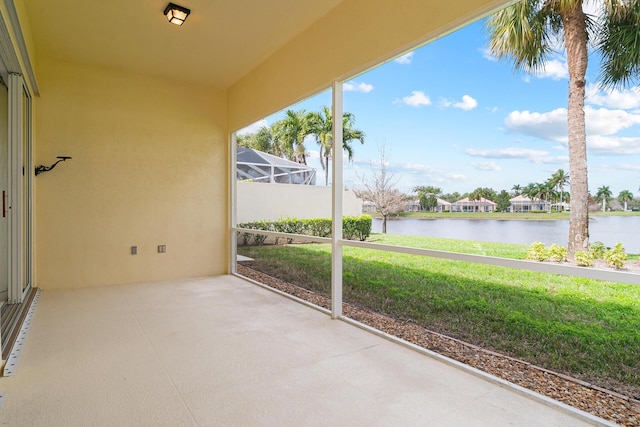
[{"x": 353, "y": 228}]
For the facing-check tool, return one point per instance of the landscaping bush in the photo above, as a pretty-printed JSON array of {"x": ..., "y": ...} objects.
[
  {"x": 584, "y": 258},
  {"x": 320, "y": 227},
  {"x": 356, "y": 227},
  {"x": 598, "y": 250},
  {"x": 353, "y": 227},
  {"x": 537, "y": 252},
  {"x": 557, "y": 253},
  {"x": 615, "y": 257}
]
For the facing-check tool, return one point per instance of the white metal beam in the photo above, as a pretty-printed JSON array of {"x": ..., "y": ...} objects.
[{"x": 337, "y": 187}]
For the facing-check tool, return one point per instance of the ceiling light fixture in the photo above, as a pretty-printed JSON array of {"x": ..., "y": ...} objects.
[{"x": 176, "y": 14}]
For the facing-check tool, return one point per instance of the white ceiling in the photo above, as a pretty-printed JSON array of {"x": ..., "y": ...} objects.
[{"x": 220, "y": 42}]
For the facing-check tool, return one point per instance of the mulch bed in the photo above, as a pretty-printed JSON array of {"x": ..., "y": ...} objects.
[{"x": 603, "y": 403}]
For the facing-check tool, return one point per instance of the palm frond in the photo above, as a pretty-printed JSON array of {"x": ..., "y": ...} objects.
[
  {"x": 620, "y": 44},
  {"x": 521, "y": 33}
]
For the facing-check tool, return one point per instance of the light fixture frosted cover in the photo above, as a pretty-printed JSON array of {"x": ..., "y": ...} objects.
[{"x": 176, "y": 14}]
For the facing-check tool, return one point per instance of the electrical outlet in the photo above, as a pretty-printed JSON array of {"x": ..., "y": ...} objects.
[
  {"x": 134, "y": 250},
  {"x": 162, "y": 249}
]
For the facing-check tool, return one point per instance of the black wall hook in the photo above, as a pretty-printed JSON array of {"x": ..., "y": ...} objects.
[{"x": 42, "y": 168}]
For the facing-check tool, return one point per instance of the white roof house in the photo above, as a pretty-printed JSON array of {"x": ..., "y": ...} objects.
[
  {"x": 480, "y": 205},
  {"x": 522, "y": 203},
  {"x": 443, "y": 206},
  {"x": 414, "y": 206}
]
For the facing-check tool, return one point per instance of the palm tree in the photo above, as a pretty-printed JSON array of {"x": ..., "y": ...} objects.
[
  {"x": 625, "y": 197},
  {"x": 602, "y": 195},
  {"x": 321, "y": 125},
  {"x": 289, "y": 134},
  {"x": 559, "y": 179},
  {"x": 527, "y": 33},
  {"x": 547, "y": 192},
  {"x": 530, "y": 191},
  {"x": 517, "y": 190}
]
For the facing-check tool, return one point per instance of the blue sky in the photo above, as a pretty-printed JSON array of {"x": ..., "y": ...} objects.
[{"x": 451, "y": 116}]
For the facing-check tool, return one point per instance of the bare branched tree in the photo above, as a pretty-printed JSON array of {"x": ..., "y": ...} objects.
[{"x": 380, "y": 190}]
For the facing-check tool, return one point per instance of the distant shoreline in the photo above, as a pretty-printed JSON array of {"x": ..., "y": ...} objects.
[{"x": 502, "y": 216}]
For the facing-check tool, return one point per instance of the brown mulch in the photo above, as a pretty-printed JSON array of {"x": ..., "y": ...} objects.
[{"x": 603, "y": 403}]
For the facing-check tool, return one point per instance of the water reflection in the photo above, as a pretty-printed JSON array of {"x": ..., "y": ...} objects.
[{"x": 606, "y": 229}]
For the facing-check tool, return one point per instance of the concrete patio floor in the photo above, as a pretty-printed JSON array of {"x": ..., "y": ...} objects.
[{"x": 224, "y": 352}]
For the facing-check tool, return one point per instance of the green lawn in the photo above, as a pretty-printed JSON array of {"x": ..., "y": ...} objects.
[{"x": 581, "y": 327}]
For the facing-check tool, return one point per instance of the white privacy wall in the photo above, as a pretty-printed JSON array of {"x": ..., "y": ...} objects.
[{"x": 261, "y": 201}]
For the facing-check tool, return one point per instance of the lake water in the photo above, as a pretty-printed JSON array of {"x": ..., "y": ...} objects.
[{"x": 607, "y": 229}]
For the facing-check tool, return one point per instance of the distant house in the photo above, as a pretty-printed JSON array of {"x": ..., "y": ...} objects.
[
  {"x": 368, "y": 207},
  {"x": 480, "y": 205},
  {"x": 414, "y": 206},
  {"x": 522, "y": 203},
  {"x": 443, "y": 206}
]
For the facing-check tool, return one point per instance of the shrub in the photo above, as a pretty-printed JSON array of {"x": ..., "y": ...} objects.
[
  {"x": 584, "y": 258},
  {"x": 537, "y": 252},
  {"x": 615, "y": 257},
  {"x": 320, "y": 227},
  {"x": 245, "y": 237},
  {"x": 356, "y": 227},
  {"x": 597, "y": 249},
  {"x": 557, "y": 253},
  {"x": 353, "y": 227}
]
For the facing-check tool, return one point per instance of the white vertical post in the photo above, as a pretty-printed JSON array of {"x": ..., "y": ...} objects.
[
  {"x": 337, "y": 187},
  {"x": 233, "y": 215},
  {"x": 16, "y": 182}
]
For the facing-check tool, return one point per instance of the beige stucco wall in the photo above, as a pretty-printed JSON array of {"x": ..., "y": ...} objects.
[
  {"x": 150, "y": 156},
  {"x": 261, "y": 201},
  {"x": 149, "y": 167},
  {"x": 353, "y": 37}
]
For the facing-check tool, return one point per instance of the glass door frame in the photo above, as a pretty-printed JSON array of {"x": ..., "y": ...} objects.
[{"x": 20, "y": 189}]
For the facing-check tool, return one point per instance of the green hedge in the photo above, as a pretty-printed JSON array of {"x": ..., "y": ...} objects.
[{"x": 353, "y": 228}]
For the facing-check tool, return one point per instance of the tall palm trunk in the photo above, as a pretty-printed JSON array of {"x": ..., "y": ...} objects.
[
  {"x": 576, "y": 44},
  {"x": 326, "y": 168}
]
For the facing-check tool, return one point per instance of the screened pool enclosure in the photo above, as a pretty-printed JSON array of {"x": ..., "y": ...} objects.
[{"x": 257, "y": 166}]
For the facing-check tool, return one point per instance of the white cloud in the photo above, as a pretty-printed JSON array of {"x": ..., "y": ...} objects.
[
  {"x": 603, "y": 121},
  {"x": 357, "y": 87},
  {"x": 554, "y": 69},
  {"x": 613, "y": 146},
  {"x": 552, "y": 125},
  {"x": 417, "y": 99},
  {"x": 534, "y": 156},
  {"x": 456, "y": 176},
  {"x": 404, "y": 59},
  {"x": 613, "y": 98},
  {"x": 506, "y": 153},
  {"x": 467, "y": 103},
  {"x": 416, "y": 167},
  {"x": 253, "y": 128},
  {"x": 486, "y": 54},
  {"x": 628, "y": 167},
  {"x": 486, "y": 166}
]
